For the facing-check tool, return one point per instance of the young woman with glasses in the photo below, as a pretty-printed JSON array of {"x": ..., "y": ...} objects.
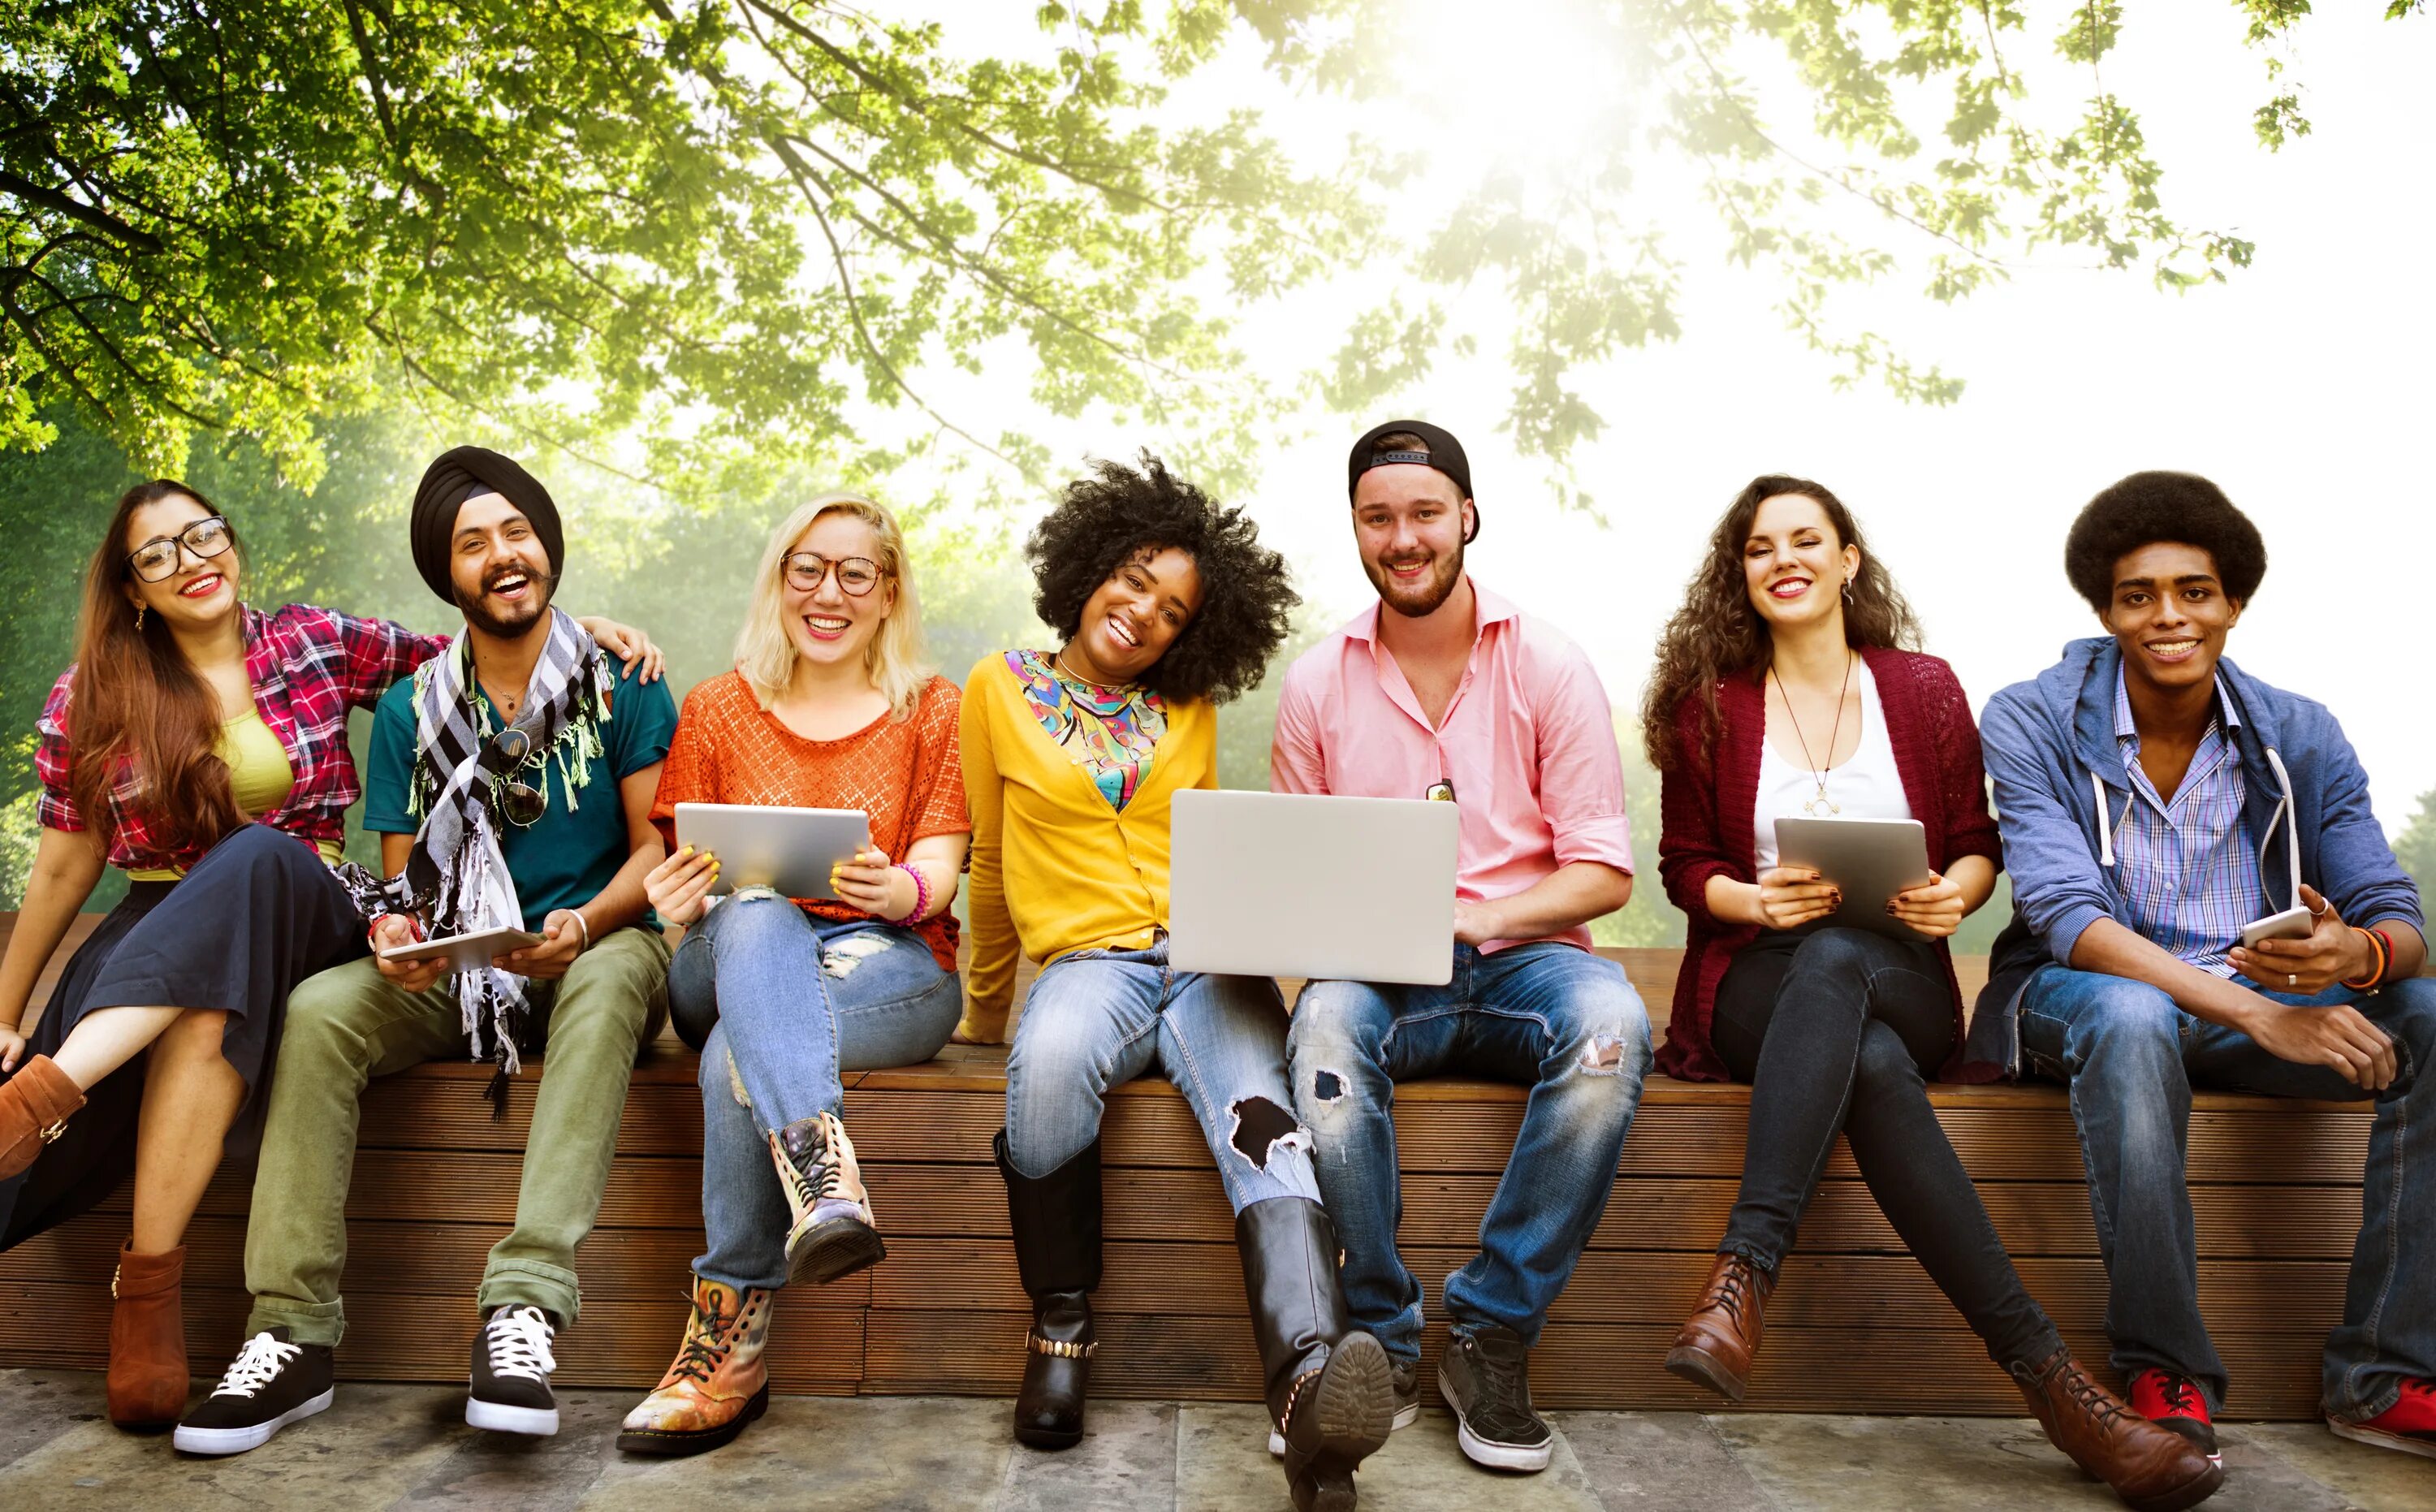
[
  {"x": 1164, "y": 605},
  {"x": 1789, "y": 685},
  {"x": 829, "y": 706},
  {"x": 201, "y": 746}
]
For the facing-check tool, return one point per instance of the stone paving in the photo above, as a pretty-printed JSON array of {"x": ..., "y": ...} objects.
[{"x": 407, "y": 1447}]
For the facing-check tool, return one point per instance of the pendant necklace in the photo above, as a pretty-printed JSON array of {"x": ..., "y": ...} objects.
[{"x": 1820, "y": 803}]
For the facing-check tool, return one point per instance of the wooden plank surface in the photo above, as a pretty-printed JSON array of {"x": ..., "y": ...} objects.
[{"x": 2275, "y": 1187}]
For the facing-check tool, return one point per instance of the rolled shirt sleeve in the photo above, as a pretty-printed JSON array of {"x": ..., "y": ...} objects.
[{"x": 1581, "y": 776}]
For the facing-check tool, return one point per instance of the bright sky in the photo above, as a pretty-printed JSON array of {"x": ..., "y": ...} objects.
[{"x": 2297, "y": 387}]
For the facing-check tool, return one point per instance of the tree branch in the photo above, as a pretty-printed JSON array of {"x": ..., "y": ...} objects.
[{"x": 109, "y": 225}]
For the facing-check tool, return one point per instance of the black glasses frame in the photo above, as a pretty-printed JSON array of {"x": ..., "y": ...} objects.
[
  {"x": 824, "y": 565},
  {"x": 184, "y": 543}
]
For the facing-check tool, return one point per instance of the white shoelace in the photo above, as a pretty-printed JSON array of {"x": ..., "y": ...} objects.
[
  {"x": 256, "y": 1365},
  {"x": 519, "y": 1344}
]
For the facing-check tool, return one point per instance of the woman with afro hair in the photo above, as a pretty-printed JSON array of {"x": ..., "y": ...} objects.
[{"x": 1164, "y": 604}]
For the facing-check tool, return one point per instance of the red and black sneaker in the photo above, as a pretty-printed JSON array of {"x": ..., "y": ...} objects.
[
  {"x": 2409, "y": 1425},
  {"x": 2175, "y": 1402}
]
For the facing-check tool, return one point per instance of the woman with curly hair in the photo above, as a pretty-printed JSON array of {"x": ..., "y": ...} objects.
[
  {"x": 1164, "y": 604},
  {"x": 1789, "y": 685}
]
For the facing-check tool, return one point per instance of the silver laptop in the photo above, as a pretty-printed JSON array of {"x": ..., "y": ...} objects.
[{"x": 1273, "y": 884}]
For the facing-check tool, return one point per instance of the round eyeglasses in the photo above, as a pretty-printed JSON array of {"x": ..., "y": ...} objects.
[
  {"x": 856, "y": 576},
  {"x": 158, "y": 559}
]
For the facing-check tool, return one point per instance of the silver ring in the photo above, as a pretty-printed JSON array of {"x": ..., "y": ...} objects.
[{"x": 2291, "y": 979}]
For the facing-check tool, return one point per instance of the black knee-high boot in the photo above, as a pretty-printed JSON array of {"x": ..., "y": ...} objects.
[
  {"x": 1056, "y": 1223},
  {"x": 1328, "y": 1382}
]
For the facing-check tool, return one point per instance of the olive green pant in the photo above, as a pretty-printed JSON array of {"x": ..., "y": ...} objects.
[{"x": 350, "y": 1024}]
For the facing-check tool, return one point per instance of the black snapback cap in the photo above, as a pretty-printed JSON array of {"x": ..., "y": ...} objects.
[{"x": 1445, "y": 455}]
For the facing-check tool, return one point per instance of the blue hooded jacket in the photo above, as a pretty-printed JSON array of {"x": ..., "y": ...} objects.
[{"x": 2046, "y": 738}]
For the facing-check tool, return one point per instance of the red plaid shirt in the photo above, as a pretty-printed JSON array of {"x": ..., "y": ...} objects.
[{"x": 308, "y": 666}]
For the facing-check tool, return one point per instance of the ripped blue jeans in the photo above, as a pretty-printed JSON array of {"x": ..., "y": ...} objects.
[
  {"x": 780, "y": 1003},
  {"x": 1098, "y": 1017},
  {"x": 1557, "y": 1019}
]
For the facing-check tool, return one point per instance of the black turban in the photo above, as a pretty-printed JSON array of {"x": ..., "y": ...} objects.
[{"x": 458, "y": 476}]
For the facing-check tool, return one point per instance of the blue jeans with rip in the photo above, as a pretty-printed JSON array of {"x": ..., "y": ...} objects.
[
  {"x": 2131, "y": 1058},
  {"x": 1557, "y": 1019},
  {"x": 780, "y": 1003},
  {"x": 1098, "y": 1017}
]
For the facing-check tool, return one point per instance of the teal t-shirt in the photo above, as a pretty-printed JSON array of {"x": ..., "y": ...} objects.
[{"x": 564, "y": 858}]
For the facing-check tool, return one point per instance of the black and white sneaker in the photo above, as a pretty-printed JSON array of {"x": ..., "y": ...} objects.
[
  {"x": 1486, "y": 1377},
  {"x": 269, "y": 1384},
  {"x": 508, "y": 1389}
]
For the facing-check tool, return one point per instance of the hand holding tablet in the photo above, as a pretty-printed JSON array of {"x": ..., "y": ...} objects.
[{"x": 1876, "y": 871}]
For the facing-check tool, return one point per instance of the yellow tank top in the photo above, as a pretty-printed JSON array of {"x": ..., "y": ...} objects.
[{"x": 260, "y": 778}]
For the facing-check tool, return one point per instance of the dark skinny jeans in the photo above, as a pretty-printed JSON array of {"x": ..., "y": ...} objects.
[{"x": 1838, "y": 1029}]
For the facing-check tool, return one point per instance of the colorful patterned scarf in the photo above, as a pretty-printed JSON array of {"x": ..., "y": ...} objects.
[{"x": 1111, "y": 733}]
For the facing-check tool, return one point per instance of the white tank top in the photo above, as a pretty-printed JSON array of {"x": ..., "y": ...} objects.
[{"x": 1867, "y": 787}]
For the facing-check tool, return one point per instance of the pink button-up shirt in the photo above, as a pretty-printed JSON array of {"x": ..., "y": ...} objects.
[{"x": 1527, "y": 741}]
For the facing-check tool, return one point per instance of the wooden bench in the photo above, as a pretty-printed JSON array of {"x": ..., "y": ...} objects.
[{"x": 1854, "y": 1327}]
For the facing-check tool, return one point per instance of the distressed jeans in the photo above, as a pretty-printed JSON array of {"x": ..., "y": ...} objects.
[
  {"x": 350, "y": 1024},
  {"x": 780, "y": 1003},
  {"x": 1098, "y": 1017},
  {"x": 1557, "y": 1019},
  {"x": 2131, "y": 1058}
]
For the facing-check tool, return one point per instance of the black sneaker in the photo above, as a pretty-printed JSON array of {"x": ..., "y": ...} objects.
[
  {"x": 269, "y": 1384},
  {"x": 1487, "y": 1379},
  {"x": 508, "y": 1389},
  {"x": 1405, "y": 1379}
]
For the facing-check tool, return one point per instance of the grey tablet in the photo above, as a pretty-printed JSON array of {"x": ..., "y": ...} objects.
[
  {"x": 1292, "y": 885},
  {"x": 788, "y": 849},
  {"x": 1871, "y": 859},
  {"x": 463, "y": 953}
]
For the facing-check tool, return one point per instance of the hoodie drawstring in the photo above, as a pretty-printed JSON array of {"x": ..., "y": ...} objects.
[{"x": 2105, "y": 827}]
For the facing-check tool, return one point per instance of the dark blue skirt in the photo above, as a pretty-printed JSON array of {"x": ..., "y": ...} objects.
[{"x": 257, "y": 914}]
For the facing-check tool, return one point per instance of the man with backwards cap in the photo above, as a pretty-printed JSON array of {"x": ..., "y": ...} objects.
[
  {"x": 1444, "y": 690},
  {"x": 511, "y": 783}
]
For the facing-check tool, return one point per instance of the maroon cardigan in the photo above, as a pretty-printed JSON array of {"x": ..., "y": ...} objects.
[{"x": 1706, "y": 804}]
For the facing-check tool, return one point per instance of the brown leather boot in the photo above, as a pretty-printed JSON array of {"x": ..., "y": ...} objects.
[
  {"x": 1714, "y": 1349},
  {"x": 148, "y": 1339},
  {"x": 33, "y": 1104},
  {"x": 2151, "y": 1469}
]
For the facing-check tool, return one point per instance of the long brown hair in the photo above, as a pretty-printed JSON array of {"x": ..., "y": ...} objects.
[
  {"x": 139, "y": 702},
  {"x": 1716, "y": 633}
]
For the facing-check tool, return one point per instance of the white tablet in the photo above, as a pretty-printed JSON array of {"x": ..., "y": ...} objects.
[
  {"x": 790, "y": 849},
  {"x": 1871, "y": 859},
  {"x": 464, "y": 951}
]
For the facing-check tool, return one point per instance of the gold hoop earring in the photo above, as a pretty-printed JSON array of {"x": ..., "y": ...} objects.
[{"x": 1848, "y": 590}]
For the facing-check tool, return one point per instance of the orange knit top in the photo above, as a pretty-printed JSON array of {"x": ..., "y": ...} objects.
[{"x": 907, "y": 774}]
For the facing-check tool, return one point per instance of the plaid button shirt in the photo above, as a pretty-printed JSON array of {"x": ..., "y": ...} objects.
[
  {"x": 308, "y": 666},
  {"x": 2186, "y": 867}
]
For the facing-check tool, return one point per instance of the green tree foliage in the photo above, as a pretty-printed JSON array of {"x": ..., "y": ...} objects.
[
  {"x": 242, "y": 218},
  {"x": 725, "y": 222}
]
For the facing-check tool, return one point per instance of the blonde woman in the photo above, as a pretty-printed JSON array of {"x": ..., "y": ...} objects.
[{"x": 829, "y": 706}]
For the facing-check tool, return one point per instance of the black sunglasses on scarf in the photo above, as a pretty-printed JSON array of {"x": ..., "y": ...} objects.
[{"x": 520, "y": 802}]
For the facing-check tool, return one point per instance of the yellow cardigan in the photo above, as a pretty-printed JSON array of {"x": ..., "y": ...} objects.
[{"x": 1054, "y": 868}]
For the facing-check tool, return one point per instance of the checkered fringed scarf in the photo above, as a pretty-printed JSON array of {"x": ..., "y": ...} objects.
[{"x": 456, "y": 880}]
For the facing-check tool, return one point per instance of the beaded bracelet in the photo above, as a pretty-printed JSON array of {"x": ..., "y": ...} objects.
[
  {"x": 921, "y": 893},
  {"x": 2379, "y": 948}
]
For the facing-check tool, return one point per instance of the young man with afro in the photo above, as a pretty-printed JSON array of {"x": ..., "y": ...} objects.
[{"x": 2155, "y": 799}]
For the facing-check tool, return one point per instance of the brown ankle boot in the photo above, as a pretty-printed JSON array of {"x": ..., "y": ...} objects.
[
  {"x": 2151, "y": 1469},
  {"x": 33, "y": 1104},
  {"x": 1714, "y": 1349},
  {"x": 148, "y": 1339}
]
